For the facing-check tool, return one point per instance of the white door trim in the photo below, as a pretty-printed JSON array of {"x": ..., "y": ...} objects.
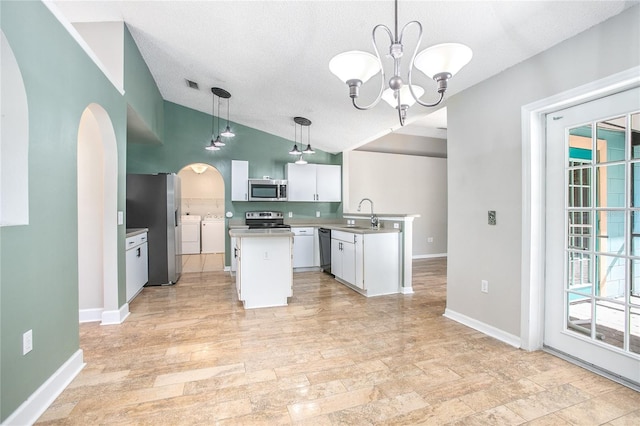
[{"x": 533, "y": 195}]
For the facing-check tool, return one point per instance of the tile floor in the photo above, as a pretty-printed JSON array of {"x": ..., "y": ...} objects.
[
  {"x": 209, "y": 262},
  {"x": 190, "y": 354}
]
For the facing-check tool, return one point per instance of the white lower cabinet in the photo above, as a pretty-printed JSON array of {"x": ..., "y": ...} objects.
[
  {"x": 369, "y": 263},
  {"x": 343, "y": 256},
  {"x": 136, "y": 255}
]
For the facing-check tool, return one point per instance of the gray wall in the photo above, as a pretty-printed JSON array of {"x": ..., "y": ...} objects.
[
  {"x": 408, "y": 144},
  {"x": 485, "y": 157},
  {"x": 399, "y": 183}
]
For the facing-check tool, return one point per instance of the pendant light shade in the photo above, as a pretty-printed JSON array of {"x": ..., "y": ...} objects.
[
  {"x": 295, "y": 150},
  {"x": 301, "y": 160},
  {"x": 443, "y": 58}
]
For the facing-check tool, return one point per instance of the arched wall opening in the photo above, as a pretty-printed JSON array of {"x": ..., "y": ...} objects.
[
  {"x": 97, "y": 216},
  {"x": 14, "y": 141},
  {"x": 202, "y": 197}
]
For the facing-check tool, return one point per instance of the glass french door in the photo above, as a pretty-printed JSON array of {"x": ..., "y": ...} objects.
[{"x": 592, "y": 277}]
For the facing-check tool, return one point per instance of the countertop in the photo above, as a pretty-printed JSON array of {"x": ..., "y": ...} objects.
[
  {"x": 359, "y": 229},
  {"x": 132, "y": 232},
  {"x": 259, "y": 233}
]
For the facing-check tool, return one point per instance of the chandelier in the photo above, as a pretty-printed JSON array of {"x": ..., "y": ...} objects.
[
  {"x": 439, "y": 62},
  {"x": 302, "y": 122},
  {"x": 216, "y": 142}
]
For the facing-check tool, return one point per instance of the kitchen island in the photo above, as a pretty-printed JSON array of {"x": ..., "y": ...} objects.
[{"x": 264, "y": 271}]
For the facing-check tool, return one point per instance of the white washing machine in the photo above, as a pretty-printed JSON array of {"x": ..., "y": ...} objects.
[
  {"x": 191, "y": 234},
  {"x": 213, "y": 234}
]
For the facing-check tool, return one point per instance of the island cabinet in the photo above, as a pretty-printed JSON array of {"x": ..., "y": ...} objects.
[
  {"x": 239, "y": 180},
  {"x": 264, "y": 272},
  {"x": 368, "y": 263},
  {"x": 314, "y": 182}
]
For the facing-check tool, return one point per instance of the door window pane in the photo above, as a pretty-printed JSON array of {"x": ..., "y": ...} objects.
[
  {"x": 634, "y": 331},
  {"x": 634, "y": 297},
  {"x": 634, "y": 184},
  {"x": 610, "y": 323},
  {"x": 579, "y": 314},
  {"x": 635, "y": 135},
  {"x": 635, "y": 233},
  {"x": 610, "y": 186},
  {"x": 581, "y": 230},
  {"x": 580, "y": 187},
  {"x": 580, "y": 145},
  {"x": 580, "y": 273},
  {"x": 610, "y": 271},
  {"x": 610, "y": 140},
  {"x": 610, "y": 231}
]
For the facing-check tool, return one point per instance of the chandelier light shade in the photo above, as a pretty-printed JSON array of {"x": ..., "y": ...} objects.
[
  {"x": 443, "y": 58},
  {"x": 354, "y": 65},
  {"x": 302, "y": 122},
  {"x": 439, "y": 62}
]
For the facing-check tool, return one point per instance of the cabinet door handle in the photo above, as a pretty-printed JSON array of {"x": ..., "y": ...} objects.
[
  {"x": 138, "y": 252},
  {"x": 235, "y": 253}
]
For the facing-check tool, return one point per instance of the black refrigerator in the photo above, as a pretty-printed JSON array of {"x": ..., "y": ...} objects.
[{"x": 153, "y": 202}]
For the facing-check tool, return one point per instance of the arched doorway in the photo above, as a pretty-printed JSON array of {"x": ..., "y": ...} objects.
[
  {"x": 97, "y": 217},
  {"x": 202, "y": 207}
]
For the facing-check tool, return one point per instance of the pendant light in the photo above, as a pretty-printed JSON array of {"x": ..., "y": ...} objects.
[
  {"x": 439, "y": 62},
  {"x": 216, "y": 142},
  {"x": 302, "y": 122},
  {"x": 227, "y": 131}
]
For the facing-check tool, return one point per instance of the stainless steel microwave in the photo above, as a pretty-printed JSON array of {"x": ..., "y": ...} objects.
[{"x": 267, "y": 190}]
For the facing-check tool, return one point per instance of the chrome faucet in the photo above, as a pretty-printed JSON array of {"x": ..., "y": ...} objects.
[{"x": 374, "y": 218}]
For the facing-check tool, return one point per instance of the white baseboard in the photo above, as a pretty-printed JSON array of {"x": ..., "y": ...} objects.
[
  {"x": 90, "y": 315},
  {"x": 406, "y": 290},
  {"x": 227, "y": 268},
  {"x": 38, "y": 402},
  {"x": 489, "y": 330},
  {"x": 429, "y": 256},
  {"x": 115, "y": 317}
]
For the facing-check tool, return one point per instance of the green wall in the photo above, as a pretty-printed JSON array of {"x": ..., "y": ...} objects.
[
  {"x": 187, "y": 132},
  {"x": 39, "y": 270}
]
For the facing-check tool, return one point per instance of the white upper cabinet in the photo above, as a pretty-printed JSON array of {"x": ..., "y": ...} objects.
[
  {"x": 314, "y": 182},
  {"x": 239, "y": 180}
]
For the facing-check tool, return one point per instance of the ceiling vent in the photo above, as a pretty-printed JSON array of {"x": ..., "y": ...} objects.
[{"x": 192, "y": 84}]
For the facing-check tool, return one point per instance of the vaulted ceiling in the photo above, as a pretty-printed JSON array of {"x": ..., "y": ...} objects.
[{"x": 273, "y": 56}]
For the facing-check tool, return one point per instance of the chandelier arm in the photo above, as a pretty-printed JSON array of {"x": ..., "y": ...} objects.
[
  {"x": 382, "y": 77},
  {"x": 433, "y": 104},
  {"x": 399, "y": 108}
]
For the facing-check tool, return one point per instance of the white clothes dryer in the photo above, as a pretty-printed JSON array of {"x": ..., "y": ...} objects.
[{"x": 191, "y": 234}]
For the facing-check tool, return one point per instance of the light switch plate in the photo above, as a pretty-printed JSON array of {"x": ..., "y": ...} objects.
[{"x": 120, "y": 218}]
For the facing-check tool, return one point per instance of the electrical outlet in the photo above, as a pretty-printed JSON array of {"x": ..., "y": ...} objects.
[
  {"x": 266, "y": 255},
  {"x": 484, "y": 286},
  {"x": 317, "y": 214},
  {"x": 27, "y": 342},
  {"x": 396, "y": 226},
  {"x": 430, "y": 239},
  {"x": 290, "y": 214}
]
